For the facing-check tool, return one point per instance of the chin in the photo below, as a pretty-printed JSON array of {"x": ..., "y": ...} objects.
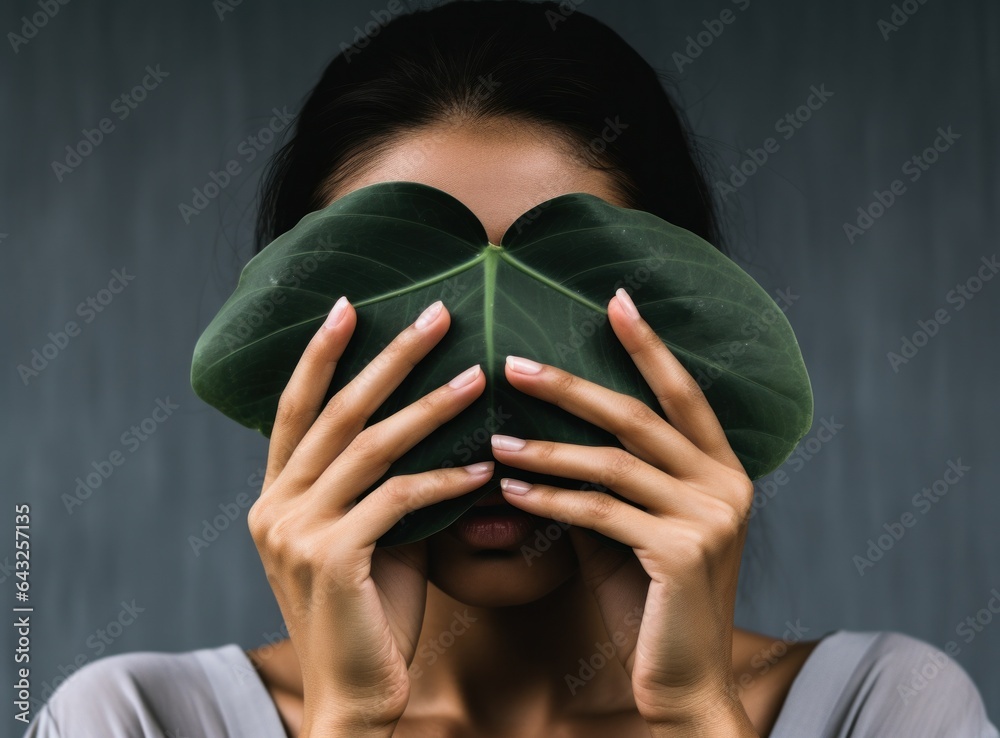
[{"x": 498, "y": 556}]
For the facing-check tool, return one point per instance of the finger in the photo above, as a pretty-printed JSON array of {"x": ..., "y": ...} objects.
[
  {"x": 610, "y": 467},
  {"x": 371, "y": 453},
  {"x": 587, "y": 509},
  {"x": 302, "y": 396},
  {"x": 373, "y": 516},
  {"x": 640, "y": 429},
  {"x": 347, "y": 411},
  {"x": 678, "y": 393}
]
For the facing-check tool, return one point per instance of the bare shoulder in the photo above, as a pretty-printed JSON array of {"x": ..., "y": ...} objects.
[{"x": 765, "y": 667}]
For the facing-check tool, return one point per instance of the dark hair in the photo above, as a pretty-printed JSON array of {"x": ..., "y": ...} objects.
[{"x": 468, "y": 60}]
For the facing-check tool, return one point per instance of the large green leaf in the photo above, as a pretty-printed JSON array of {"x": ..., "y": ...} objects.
[{"x": 395, "y": 247}]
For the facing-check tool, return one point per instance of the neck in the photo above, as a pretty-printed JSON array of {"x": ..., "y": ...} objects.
[{"x": 508, "y": 665}]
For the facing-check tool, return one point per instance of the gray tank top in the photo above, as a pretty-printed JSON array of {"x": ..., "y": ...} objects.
[{"x": 854, "y": 684}]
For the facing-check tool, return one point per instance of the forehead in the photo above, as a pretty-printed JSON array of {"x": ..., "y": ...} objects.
[{"x": 499, "y": 169}]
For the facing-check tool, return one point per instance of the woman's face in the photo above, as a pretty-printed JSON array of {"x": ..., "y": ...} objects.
[{"x": 499, "y": 169}]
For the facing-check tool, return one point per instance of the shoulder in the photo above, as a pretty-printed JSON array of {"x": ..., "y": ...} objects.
[
  {"x": 875, "y": 683},
  {"x": 145, "y": 693}
]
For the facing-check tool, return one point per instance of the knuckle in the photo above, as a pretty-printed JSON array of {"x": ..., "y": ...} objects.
[
  {"x": 743, "y": 487},
  {"x": 428, "y": 404},
  {"x": 563, "y": 382},
  {"x": 288, "y": 410},
  {"x": 335, "y": 407},
  {"x": 691, "y": 547},
  {"x": 619, "y": 465},
  {"x": 544, "y": 450},
  {"x": 641, "y": 415},
  {"x": 257, "y": 520},
  {"x": 366, "y": 444},
  {"x": 725, "y": 520},
  {"x": 400, "y": 492},
  {"x": 602, "y": 506}
]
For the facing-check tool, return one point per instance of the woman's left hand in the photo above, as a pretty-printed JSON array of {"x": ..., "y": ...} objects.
[{"x": 686, "y": 525}]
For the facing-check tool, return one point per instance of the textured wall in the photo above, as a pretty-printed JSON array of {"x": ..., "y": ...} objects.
[{"x": 109, "y": 225}]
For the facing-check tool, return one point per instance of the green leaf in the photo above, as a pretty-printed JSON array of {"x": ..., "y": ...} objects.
[{"x": 395, "y": 247}]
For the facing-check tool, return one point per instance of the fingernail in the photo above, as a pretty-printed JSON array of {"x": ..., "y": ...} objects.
[
  {"x": 428, "y": 315},
  {"x": 514, "y": 486},
  {"x": 337, "y": 313},
  {"x": 481, "y": 468},
  {"x": 522, "y": 365},
  {"x": 626, "y": 302},
  {"x": 507, "y": 443},
  {"x": 465, "y": 377}
]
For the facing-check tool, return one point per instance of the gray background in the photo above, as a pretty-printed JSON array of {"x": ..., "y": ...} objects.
[{"x": 119, "y": 209}]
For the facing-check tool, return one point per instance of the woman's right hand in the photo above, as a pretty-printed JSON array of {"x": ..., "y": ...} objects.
[{"x": 354, "y": 612}]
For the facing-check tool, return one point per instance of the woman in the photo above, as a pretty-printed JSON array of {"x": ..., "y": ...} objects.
[{"x": 505, "y": 105}]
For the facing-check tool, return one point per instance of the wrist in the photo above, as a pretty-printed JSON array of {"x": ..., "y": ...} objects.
[
  {"x": 719, "y": 715},
  {"x": 344, "y": 726},
  {"x": 342, "y": 717}
]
